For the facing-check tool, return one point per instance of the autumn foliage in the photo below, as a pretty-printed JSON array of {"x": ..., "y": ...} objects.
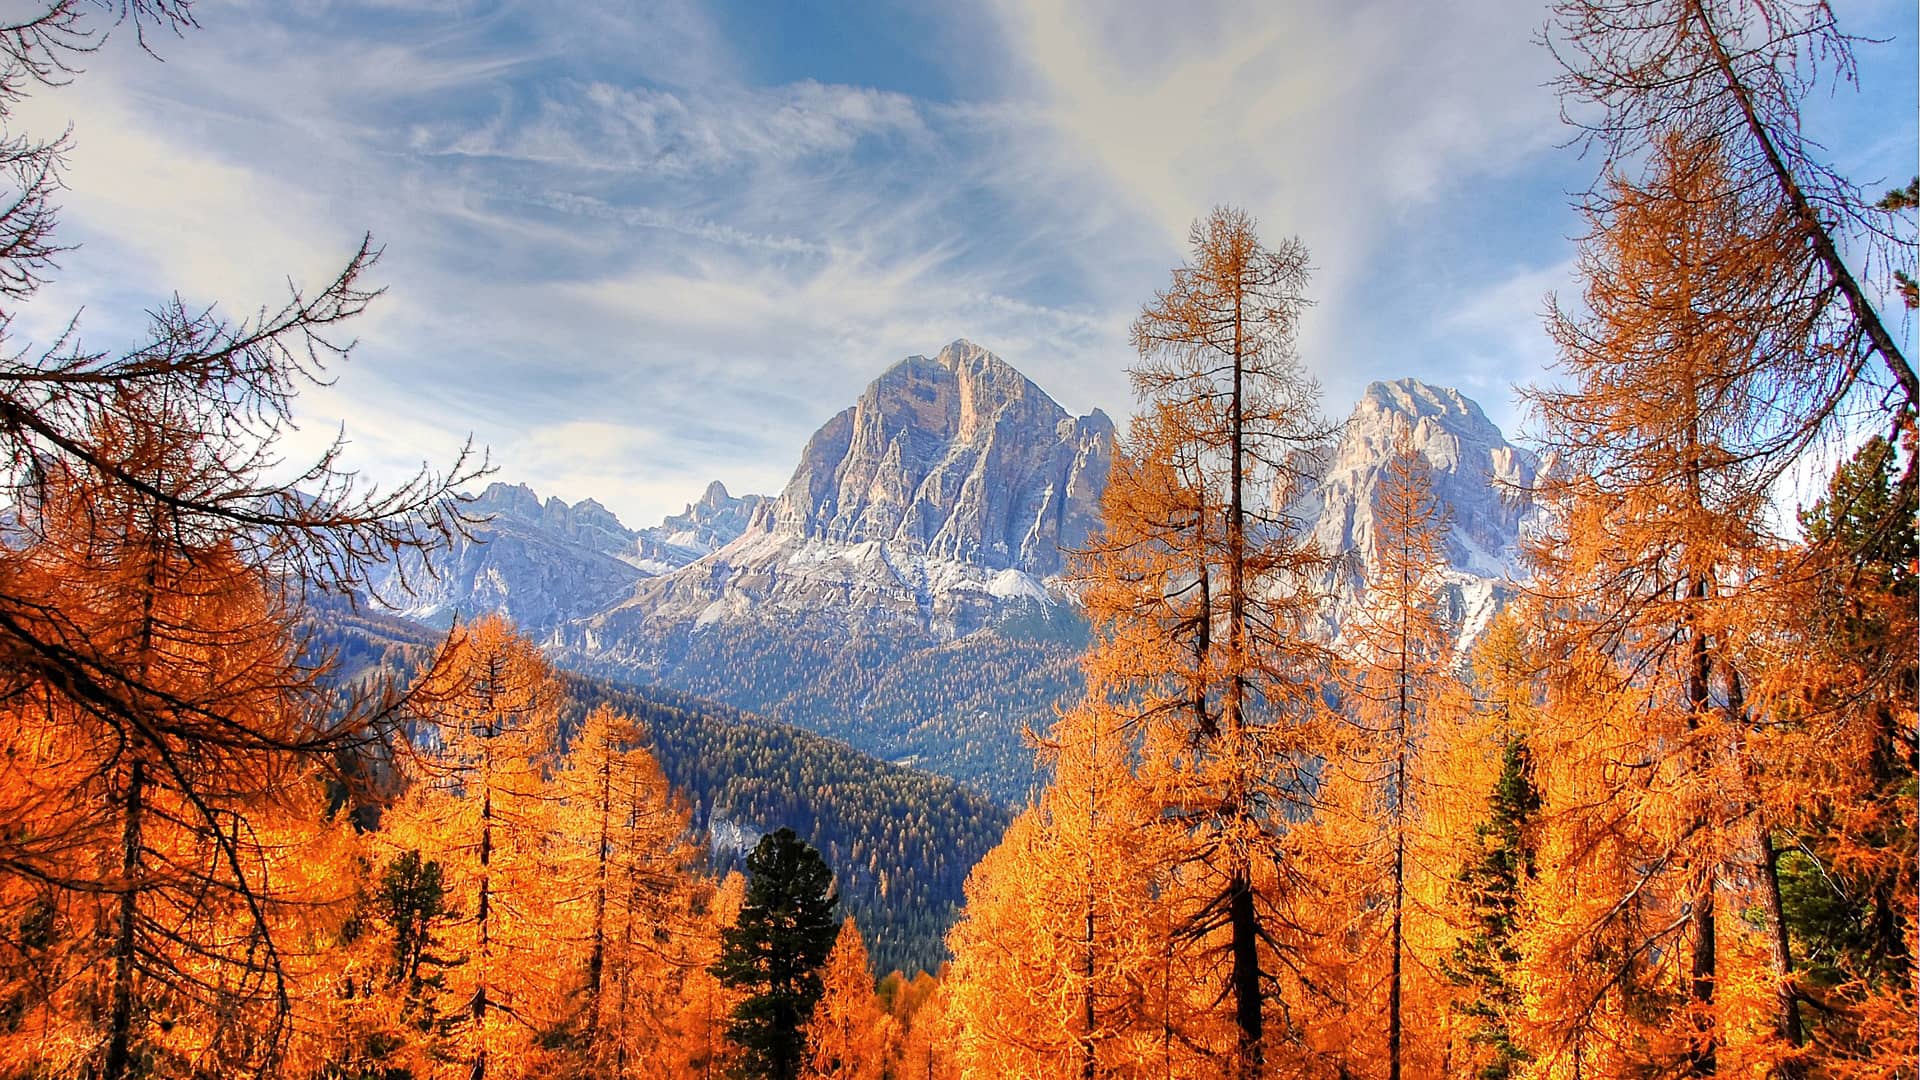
[{"x": 1655, "y": 818}]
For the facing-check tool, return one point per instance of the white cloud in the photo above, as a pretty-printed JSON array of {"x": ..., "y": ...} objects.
[
  {"x": 684, "y": 134},
  {"x": 1336, "y": 123}
]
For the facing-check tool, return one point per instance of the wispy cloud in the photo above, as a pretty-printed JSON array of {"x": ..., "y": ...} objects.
[{"x": 631, "y": 262}]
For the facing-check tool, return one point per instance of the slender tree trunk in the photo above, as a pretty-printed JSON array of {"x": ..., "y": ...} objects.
[
  {"x": 1088, "y": 1020},
  {"x": 120, "y": 1020},
  {"x": 1787, "y": 1020},
  {"x": 1701, "y": 1059},
  {"x": 1864, "y": 314},
  {"x": 1246, "y": 976},
  {"x": 597, "y": 958},
  {"x": 1240, "y": 907},
  {"x": 132, "y": 842},
  {"x": 1787, "y": 1017},
  {"x": 1399, "y": 907},
  {"x": 1400, "y": 734},
  {"x": 479, "y": 1071}
]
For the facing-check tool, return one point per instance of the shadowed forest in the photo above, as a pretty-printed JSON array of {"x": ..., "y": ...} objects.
[{"x": 1658, "y": 820}]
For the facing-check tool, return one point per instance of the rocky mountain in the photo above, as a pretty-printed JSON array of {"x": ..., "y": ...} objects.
[
  {"x": 949, "y": 489},
  {"x": 903, "y": 591},
  {"x": 546, "y": 564},
  {"x": 706, "y": 525},
  {"x": 542, "y": 564},
  {"x": 1481, "y": 480}
]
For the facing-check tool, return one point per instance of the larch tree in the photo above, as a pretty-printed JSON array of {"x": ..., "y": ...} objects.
[
  {"x": 148, "y": 598},
  {"x": 1200, "y": 591},
  {"x": 1663, "y": 444},
  {"x": 927, "y": 1046},
  {"x": 848, "y": 1035},
  {"x": 485, "y": 717},
  {"x": 1055, "y": 953},
  {"x": 700, "y": 1047},
  {"x": 1732, "y": 74},
  {"x": 182, "y": 803},
  {"x": 1400, "y": 646},
  {"x": 619, "y": 858}
]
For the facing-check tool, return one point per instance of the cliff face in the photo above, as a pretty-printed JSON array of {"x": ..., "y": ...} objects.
[
  {"x": 902, "y": 591},
  {"x": 541, "y": 564},
  {"x": 947, "y": 490},
  {"x": 1482, "y": 482},
  {"x": 959, "y": 458},
  {"x": 706, "y": 525}
]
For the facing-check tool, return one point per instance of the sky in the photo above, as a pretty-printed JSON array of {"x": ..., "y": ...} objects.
[{"x": 632, "y": 247}]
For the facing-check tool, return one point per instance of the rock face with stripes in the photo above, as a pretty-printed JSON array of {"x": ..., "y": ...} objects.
[
  {"x": 904, "y": 591},
  {"x": 1483, "y": 483},
  {"x": 949, "y": 492}
]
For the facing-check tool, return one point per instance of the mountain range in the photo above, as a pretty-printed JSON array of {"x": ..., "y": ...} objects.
[{"x": 904, "y": 591}]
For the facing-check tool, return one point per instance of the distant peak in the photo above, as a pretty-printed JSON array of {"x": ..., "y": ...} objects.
[
  {"x": 716, "y": 494},
  {"x": 503, "y": 496},
  {"x": 502, "y": 490},
  {"x": 961, "y": 349},
  {"x": 1415, "y": 399}
]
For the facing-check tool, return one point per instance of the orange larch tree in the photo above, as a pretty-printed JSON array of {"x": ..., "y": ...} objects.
[
  {"x": 848, "y": 1035},
  {"x": 618, "y": 871},
  {"x": 1399, "y": 649},
  {"x": 486, "y": 724},
  {"x": 1662, "y": 484},
  {"x": 1200, "y": 621},
  {"x": 155, "y": 831},
  {"x": 1056, "y": 954}
]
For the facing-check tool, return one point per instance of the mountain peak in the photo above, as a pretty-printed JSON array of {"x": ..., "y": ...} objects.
[
  {"x": 952, "y": 482},
  {"x": 1416, "y": 400}
]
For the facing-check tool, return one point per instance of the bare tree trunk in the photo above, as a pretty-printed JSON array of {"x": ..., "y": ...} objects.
[
  {"x": 1393, "y": 989},
  {"x": 1787, "y": 1020},
  {"x": 120, "y": 1020},
  {"x": 1701, "y": 1058},
  {"x": 1244, "y": 919},
  {"x": 479, "y": 1071},
  {"x": 1246, "y": 976},
  {"x": 597, "y": 959}
]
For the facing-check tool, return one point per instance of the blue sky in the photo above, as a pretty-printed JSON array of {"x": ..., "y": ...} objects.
[{"x": 634, "y": 247}]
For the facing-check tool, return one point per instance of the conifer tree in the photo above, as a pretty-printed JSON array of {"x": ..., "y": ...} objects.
[
  {"x": 847, "y": 1037},
  {"x": 1663, "y": 486},
  {"x": 1200, "y": 591},
  {"x": 1732, "y": 74},
  {"x": 1400, "y": 644},
  {"x": 1842, "y": 686},
  {"x": 774, "y": 952},
  {"x": 486, "y": 715},
  {"x": 152, "y": 854},
  {"x": 1054, "y": 954},
  {"x": 616, "y": 869},
  {"x": 1488, "y": 957}
]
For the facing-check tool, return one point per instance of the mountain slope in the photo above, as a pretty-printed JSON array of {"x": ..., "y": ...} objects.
[
  {"x": 951, "y": 487},
  {"x": 1481, "y": 480},
  {"x": 900, "y": 840},
  {"x": 903, "y": 590}
]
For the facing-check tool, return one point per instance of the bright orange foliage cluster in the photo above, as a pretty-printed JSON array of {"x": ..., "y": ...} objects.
[{"x": 1659, "y": 823}]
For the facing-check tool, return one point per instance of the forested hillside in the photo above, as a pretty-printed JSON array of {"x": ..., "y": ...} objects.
[
  {"x": 899, "y": 840},
  {"x": 955, "y": 708}
]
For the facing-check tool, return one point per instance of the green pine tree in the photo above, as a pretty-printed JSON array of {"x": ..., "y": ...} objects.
[
  {"x": 1491, "y": 883},
  {"x": 1846, "y": 909},
  {"x": 774, "y": 952}
]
